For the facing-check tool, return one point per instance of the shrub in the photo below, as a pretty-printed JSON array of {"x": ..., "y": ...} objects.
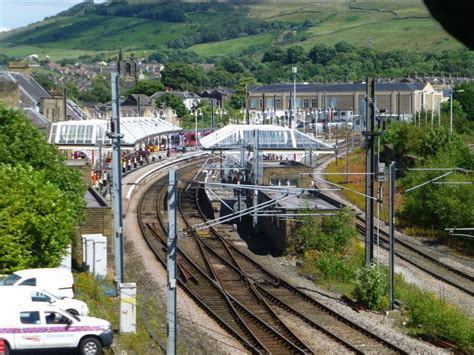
[
  {"x": 371, "y": 286},
  {"x": 432, "y": 316}
]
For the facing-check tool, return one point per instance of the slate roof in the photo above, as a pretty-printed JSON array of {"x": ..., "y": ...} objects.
[
  {"x": 36, "y": 118},
  {"x": 29, "y": 87},
  {"x": 31, "y": 93},
  {"x": 181, "y": 94}
]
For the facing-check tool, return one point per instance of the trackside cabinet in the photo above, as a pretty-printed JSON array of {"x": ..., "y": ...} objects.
[{"x": 128, "y": 307}]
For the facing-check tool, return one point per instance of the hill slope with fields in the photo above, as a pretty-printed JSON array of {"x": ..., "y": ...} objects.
[{"x": 213, "y": 29}]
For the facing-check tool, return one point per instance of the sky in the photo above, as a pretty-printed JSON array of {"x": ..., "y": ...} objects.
[{"x": 19, "y": 13}]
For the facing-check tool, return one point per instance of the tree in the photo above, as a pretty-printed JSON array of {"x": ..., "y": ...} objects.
[
  {"x": 72, "y": 91},
  {"x": 274, "y": 54},
  {"x": 21, "y": 143},
  {"x": 36, "y": 220},
  {"x": 99, "y": 90},
  {"x": 466, "y": 98},
  {"x": 343, "y": 47},
  {"x": 232, "y": 65},
  {"x": 45, "y": 80},
  {"x": 438, "y": 205},
  {"x": 321, "y": 54},
  {"x": 174, "y": 102},
  {"x": 147, "y": 87},
  {"x": 295, "y": 54},
  {"x": 182, "y": 77},
  {"x": 41, "y": 198}
]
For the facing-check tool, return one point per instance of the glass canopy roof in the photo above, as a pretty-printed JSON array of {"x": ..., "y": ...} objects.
[
  {"x": 270, "y": 137},
  {"x": 92, "y": 132}
]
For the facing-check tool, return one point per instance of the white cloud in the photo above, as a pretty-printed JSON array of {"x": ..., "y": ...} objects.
[{"x": 4, "y": 29}]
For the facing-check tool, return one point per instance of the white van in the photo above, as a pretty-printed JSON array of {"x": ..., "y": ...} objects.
[
  {"x": 58, "y": 281},
  {"x": 35, "y": 326},
  {"x": 27, "y": 294}
]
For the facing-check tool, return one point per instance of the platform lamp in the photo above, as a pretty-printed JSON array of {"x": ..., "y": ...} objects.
[{"x": 294, "y": 71}]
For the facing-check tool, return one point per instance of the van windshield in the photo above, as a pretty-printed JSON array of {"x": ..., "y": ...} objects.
[{"x": 10, "y": 280}]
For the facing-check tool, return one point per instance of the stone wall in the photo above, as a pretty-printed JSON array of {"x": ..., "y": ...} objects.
[
  {"x": 97, "y": 220},
  {"x": 10, "y": 93},
  {"x": 288, "y": 173},
  {"x": 54, "y": 108}
]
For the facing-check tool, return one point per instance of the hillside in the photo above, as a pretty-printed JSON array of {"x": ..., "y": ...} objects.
[{"x": 219, "y": 28}]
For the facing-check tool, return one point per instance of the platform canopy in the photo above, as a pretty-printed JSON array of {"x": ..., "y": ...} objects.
[
  {"x": 92, "y": 132},
  {"x": 270, "y": 137}
]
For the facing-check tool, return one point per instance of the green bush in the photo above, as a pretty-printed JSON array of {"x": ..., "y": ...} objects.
[
  {"x": 332, "y": 235},
  {"x": 431, "y": 315},
  {"x": 371, "y": 287}
]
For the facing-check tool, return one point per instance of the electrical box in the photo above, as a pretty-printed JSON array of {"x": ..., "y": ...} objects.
[
  {"x": 128, "y": 307},
  {"x": 94, "y": 254}
]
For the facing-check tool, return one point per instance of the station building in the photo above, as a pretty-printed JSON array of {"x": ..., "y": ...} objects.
[{"x": 396, "y": 99}]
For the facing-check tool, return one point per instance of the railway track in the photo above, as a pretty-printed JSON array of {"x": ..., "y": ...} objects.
[
  {"x": 417, "y": 257},
  {"x": 425, "y": 262},
  {"x": 240, "y": 294}
]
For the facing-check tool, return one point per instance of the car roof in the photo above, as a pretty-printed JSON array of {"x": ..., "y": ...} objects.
[
  {"x": 36, "y": 272},
  {"x": 33, "y": 306}
]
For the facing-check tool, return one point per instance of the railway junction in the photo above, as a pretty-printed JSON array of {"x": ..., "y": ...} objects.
[{"x": 231, "y": 289}]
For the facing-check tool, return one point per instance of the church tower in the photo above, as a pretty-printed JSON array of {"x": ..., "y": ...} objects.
[{"x": 128, "y": 68}]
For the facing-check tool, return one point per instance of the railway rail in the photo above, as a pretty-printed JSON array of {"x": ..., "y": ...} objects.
[
  {"x": 243, "y": 297},
  {"x": 417, "y": 257}
]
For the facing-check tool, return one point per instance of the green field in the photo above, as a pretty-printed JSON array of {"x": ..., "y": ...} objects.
[
  {"x": 387, "y": 25},
  {"x": 232, "y": 46}
]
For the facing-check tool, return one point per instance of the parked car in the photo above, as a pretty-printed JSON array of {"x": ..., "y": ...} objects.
[
  {"x": 27, "y": 294},
  {"x": 58, "y": 281},
  {"x": 35, "y": 326}
]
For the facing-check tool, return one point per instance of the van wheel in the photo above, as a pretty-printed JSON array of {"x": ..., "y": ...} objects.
[
  {"x": 90, "y": 346},
  {"x": 6, "y": 349},
  {"x": 73, "y": 312}
]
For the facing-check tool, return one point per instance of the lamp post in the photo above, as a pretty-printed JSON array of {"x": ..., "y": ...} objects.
[
  {"x": 196, "y": 127},
  {"x": 294, "y": 70},
  {"x": 451, "y": 109}
]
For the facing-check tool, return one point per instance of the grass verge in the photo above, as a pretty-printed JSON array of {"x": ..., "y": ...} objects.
[
  {"x": 91, "y": 291},
  {"x": 423, "y": 313}
]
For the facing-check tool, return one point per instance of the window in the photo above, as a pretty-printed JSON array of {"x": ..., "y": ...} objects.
[
  {"x": 260, "y": 103},
  {"x": 39, "y": 297},
  {"x": 278, "y": 104},
  {"x": 30, "y": 318},
  {"x": 253, "y": 103},
  {"x": 29, "y": 282},
  {"x": 88, "y": 138},
  {"x": 270, "y": 103},
  {"x": 10, "y": 280},
  {"x": 56, "y": 318},
  {"x": 314, "y": 102},
  {"x": 80, "y": 134},
  {"x": 305, "y": 103},
  {"x": 53, "y": 134},
  {"x": 63, "y": 134},
  {"x": 71, "y": 134}
]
